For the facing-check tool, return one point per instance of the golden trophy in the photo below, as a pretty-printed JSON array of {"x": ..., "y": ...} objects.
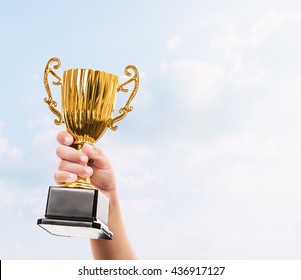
[{"x": 87, "y": 104}]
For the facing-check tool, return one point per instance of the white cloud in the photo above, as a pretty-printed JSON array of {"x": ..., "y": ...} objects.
[
  {"x": 194, "y": 83},
  {"x": 47, "y": 138},
  {"x": 268, "y": 24},
  {"x": 34, "y": 201},
  {"x": 232, "y": 39},
  {"x": 7, "y": 195},
  {"x": 233, "y": 180},
  {"x": 140, "y": 207},
  {"x": 229, "y": 39},
  {"x": 15, "y": 153},
  {"x": 248, "y": 145},
  {"x": 241, "y": 47},
  {"x": 44, "y": 120},
  {"x": 244, "y": 68},
  {"x": 244, "y": 146},
  {"x": 6, "y": 151},
  {"x": 173, "y": 43},
  {"x": 129, "y": 163},
  {"x": 138, "y": 180}
]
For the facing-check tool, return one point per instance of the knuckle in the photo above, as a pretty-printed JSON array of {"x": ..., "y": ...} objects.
[
  {"x": 56, "y": 177},
  {"x": 59, "y": 137},
  {"x": 59, "y": 151},
  {"x": 61, "y": 165}
]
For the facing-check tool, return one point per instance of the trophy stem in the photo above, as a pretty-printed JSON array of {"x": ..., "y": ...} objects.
[
  {"x": 78, "y": 146},
  {"x": 83, "y": 183}
]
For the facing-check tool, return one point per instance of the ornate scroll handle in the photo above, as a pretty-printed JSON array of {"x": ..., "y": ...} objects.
[
  {"x": 51, "y": 103},
  {"x": 127, "y": 108}
]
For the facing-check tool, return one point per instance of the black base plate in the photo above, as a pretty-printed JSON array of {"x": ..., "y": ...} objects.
[
  {"x": 76, "y": 212},
  {"x": 92, "y": 230}
]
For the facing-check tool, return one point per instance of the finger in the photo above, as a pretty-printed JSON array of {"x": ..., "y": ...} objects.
[
  {"x": 78, "y": 169},
  {"x": 97, "y": 156},
  {"x": 65, "y": 138},
  {"x": 71, "y": 154},
  {"x": 64, "y": 177}
]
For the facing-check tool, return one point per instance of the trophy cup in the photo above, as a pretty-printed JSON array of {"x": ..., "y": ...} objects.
[{"x": 87, "y": 104}]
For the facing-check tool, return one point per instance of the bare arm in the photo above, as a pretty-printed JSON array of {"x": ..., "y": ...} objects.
[
  {"x": 119, "y": 248},
  {"x": 91, "y": 162}
]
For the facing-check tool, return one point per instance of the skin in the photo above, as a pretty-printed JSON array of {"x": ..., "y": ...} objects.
[{"x": 91, "y": 162}]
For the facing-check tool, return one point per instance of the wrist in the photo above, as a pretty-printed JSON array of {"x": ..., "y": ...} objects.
[{"x": 111, "y": 193}]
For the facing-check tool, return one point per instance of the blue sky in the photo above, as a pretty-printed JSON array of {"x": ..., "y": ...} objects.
[{"x": 208, "y": 163}]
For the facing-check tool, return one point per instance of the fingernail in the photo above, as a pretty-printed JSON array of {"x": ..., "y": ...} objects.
[
  {"x": 84, "y": 159},
  {"x": 72, "y": 177},
  {"x": 90, "y": 147},
  {"x": 68, "y": 140},
  {"x": 89, "y": 171}
]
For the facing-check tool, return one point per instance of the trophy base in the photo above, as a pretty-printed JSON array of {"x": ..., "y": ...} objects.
[
  {"x": 91, "y": 230},
  {"x": 76, "y": 212}
]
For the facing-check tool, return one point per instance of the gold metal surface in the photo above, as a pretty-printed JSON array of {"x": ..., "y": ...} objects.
[
  {"x": 88, "y": 100},
  {"x": 127, "y": 108}
]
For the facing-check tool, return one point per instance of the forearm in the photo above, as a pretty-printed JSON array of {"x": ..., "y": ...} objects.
[{"x": 119, "y": 248}]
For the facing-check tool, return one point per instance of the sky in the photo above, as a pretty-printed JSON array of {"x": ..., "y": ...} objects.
[{"x": 207, "y": 163}]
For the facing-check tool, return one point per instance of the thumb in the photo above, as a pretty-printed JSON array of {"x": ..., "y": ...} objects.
[{"x": 96, "y": 156}]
